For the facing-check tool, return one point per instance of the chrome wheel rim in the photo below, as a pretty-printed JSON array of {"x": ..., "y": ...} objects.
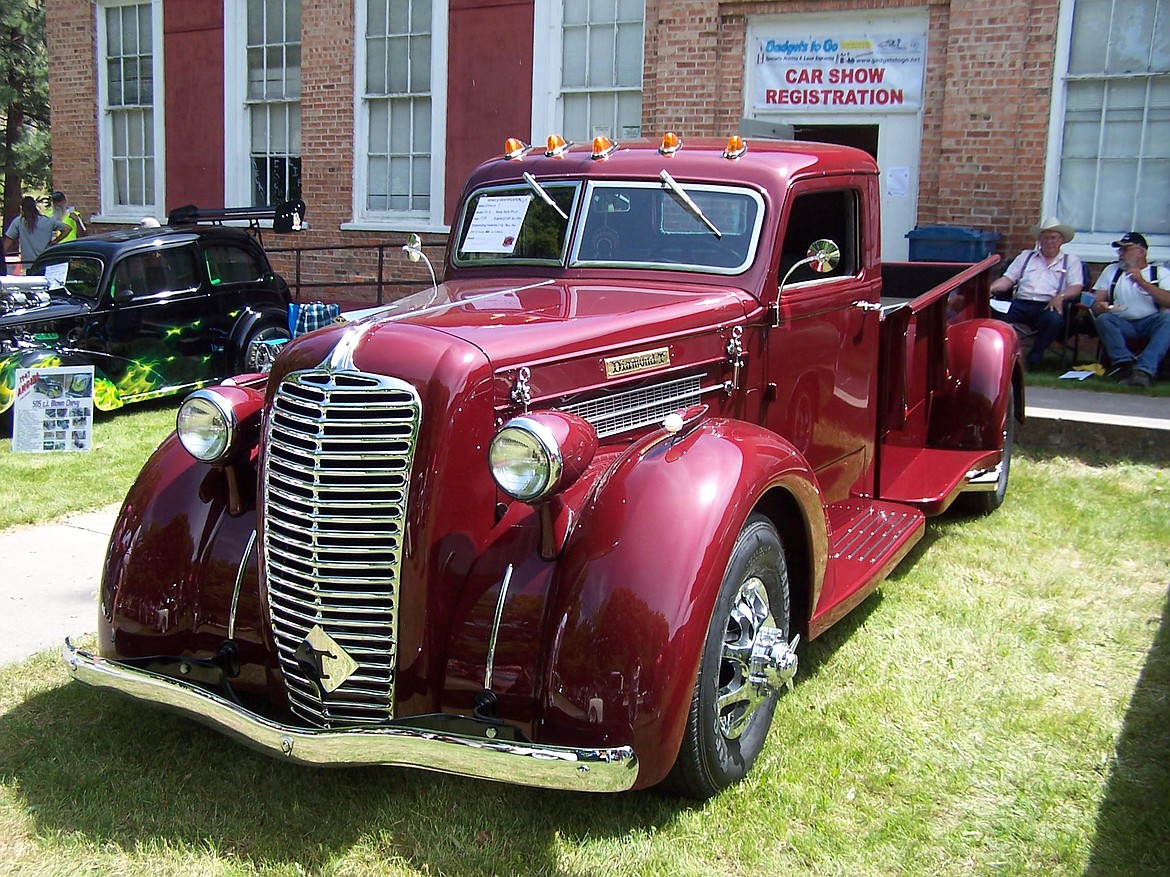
[{"x": 737, "y": 697}]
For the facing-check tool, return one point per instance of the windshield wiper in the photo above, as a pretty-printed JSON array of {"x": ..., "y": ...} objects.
[
  {"x": 544, "y": 196},
  {"x": 674, "y": 187}
]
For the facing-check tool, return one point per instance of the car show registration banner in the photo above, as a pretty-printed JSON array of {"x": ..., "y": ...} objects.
[
  {"x": 53, "y": 409},
  {"x": 839, "y": 72}
]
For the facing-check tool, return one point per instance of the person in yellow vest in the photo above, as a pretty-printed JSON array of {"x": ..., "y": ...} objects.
[{"x": 65, "y": 212}]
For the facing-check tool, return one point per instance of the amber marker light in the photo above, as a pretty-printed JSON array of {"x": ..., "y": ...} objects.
[
  {"x": 602, "y": 147},
  {"x": 556, "y": 146},
  {"x": 514, "y": 148},
  {"x": 736, "y": 146},
  {"x": 670, "y": 144}
]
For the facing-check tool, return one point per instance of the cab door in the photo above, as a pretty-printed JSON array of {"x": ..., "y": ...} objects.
[
  {"x": 155, "y": 323},
  {"x": 822, "y": 357}
]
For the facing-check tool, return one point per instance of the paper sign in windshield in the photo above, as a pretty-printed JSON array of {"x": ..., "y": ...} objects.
[
  {"x": 496, "y": 224},
  {"x": 56, "y": 274}
]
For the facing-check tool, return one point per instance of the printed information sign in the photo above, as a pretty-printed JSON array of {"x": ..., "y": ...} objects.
[
  {"x": 53, "y": 409},
  {"x": 839, "y": 72},
  {"x": 496, "y": 224}
]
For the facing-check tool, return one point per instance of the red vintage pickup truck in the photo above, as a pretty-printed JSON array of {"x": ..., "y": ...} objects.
[{"x": 562, "y": 518}]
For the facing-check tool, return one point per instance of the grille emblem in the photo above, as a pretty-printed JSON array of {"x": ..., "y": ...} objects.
[{"x": 325, "y": 662}]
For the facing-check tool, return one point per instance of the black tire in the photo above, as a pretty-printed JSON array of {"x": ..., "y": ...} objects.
[
  {"x": 987, "y": 501},
  {"x": 730, "y": 716},
  {"x": 255, "y": 354}
]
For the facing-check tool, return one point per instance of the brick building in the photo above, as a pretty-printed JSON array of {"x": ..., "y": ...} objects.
[{"x": 982, "y": 113}]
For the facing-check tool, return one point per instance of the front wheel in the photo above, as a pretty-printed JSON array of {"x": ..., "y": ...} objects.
[
  {"x": 259, "y": 350},
  {"x": 746, "y": 660}
]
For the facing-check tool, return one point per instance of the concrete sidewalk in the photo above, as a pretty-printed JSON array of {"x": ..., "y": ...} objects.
[{"x": 52, "y": 571}]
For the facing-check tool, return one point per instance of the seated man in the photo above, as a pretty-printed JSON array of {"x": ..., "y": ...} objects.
[
  {"x": 1045, "y": 279},
  {"x": 1131, "y": 304}
]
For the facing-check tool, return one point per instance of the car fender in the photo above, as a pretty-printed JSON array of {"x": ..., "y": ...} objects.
[
  {"x": 251, "y": 317},
  {"x": 175, "y": 556},
  {"x": 983, "y": 359},
  {"x": 636, "y": 585}
]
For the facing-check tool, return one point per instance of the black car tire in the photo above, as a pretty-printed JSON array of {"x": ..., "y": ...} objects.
[
  {"x": 986, "y": 502},
  {"x": 253, "y": 355},
  {"x": 754, "y": 592}
]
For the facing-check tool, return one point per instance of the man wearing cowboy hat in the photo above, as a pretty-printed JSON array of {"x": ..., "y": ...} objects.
[
  {"x": 1045, "y": 279},
  {"x": 1131, "y": 304}
]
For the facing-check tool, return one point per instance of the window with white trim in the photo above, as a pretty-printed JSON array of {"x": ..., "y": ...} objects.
[
  {"x": 131, "y": 108},
  {"x": 274, "y": 99},
  {"x": 1112, "y": 120},
  {"x": 590, "y": 52},
  {"x": 401, "y": 59}
]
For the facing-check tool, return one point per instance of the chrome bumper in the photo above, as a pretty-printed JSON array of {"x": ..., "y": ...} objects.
[{"x": 479, "y": 757}]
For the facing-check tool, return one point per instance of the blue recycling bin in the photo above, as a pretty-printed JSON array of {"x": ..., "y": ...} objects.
[{"x": 950, "y": 243}]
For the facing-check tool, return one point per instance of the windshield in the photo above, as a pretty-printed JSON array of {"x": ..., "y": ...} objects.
[
  {"x": 513, "y": 225},
  {"x": 648, "y": 225},
  {"x": 78, "y": 275}
]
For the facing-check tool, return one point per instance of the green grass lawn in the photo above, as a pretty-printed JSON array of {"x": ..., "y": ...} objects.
[{"x": 999, "y": 707}]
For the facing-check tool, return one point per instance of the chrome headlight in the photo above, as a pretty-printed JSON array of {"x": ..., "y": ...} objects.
[
  {"x": 525, "y": 459},
  {"x": 207, "y": 426},
  {"x": 542, "y": 453}
]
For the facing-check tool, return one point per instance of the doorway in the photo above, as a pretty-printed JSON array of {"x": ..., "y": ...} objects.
[{"x": 863, "y": 137}]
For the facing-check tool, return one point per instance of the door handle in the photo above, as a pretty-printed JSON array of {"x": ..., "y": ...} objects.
[{"x": 867, "y": 305}]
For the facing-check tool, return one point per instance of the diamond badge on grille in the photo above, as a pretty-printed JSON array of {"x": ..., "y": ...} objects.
[{"x": 324, "y": 661}]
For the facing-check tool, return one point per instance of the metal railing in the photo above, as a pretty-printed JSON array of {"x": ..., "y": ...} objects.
[{"x": 386, "y": 262}]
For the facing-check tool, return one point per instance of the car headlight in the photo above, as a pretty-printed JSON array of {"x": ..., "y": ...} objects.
[
  {"x": 215, "y": 424},
  {"x": 206, "y": 426},
  {"x": 539, "y": 454},
  {"x": 525, "y": 459}
]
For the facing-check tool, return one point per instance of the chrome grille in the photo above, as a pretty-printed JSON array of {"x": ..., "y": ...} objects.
[
  {"x": 634, "y": 409},
  {"x": 339, "y": 447}
]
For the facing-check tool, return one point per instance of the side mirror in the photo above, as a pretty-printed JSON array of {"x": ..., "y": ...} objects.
[
  {"x": 823, "y": 256},
  {"x": 414, "y": 252},
  {"x": 121, "y": 295}
]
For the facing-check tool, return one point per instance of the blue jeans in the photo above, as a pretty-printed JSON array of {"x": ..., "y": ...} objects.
[
  {"x": 1115, "y": 331},
  {"x": 1038, "y": 316}
]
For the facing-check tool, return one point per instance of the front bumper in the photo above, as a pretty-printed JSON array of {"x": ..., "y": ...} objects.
[{"x": 469, "y": 755}]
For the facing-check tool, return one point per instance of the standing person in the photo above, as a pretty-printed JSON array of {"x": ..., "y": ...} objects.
[
  {"x": 1045, "y": 280},
  {"x": 32, "y": 231},
  {"x": 1132, "y": 304},
  {"x": 65, "y": 212}
]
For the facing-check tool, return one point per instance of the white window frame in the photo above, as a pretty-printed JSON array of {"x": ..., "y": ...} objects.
[
  {"x": 237, "y": 134},
  {"x": 1089, "y": 247},
  {"x": 389, "y": 220},
  {"x": 548, "y": 110},
  {"x": 111, "y": 210}
]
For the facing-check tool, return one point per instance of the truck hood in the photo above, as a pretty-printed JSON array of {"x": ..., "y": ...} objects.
[{"x": 496, "y": 315}]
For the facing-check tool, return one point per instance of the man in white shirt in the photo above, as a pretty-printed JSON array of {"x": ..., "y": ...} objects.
[
  {"x": 1045, "y": 280},
  {"x": 1132, "y": 303}
]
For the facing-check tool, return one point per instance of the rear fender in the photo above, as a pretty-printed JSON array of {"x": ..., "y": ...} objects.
[
  {"x": 983, "y": 358},
  {"x": 635, "y": 588}
]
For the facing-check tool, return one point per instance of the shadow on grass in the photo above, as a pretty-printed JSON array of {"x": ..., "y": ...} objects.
[
  {"x": 124, "y": 778},
  {"x": 1136, "y": 806}
]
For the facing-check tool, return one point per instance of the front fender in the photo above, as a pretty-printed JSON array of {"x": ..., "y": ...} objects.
[
  {"x": 171, "y": 569},
  {"x": 635, "y": 589},
  {"x": 983, "y": 358}
]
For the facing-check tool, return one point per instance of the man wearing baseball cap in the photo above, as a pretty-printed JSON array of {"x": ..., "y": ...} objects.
[
  {"x": 1131, "y": 304},
  {"x": 63, "y": 211}
]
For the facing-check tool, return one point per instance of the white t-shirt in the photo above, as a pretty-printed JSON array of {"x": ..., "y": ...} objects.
[{"x": 1130, "y": 300}]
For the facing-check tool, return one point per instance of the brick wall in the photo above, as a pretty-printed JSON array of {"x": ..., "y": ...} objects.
[
  {"x": 69, "y": 31},
  {"x": 988, "y": 77}
]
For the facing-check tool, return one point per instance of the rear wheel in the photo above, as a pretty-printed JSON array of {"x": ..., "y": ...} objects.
[
  {"x": 260, "y": 348},
  {"x": 746, "y": 661},
  {"x": 986, "y": 502}
]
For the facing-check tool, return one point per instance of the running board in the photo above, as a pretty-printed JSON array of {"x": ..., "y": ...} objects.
[{"x": 868, "y": 538}]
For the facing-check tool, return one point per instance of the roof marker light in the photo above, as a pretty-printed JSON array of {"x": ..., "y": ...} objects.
[
  {"x": 514, "y": 148},
  {"x": 670, "y": 143},
  {"x": 736, "y": 146},
  {"x": 602, "y": 147},
  {"x": 556, "y": 146}
]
